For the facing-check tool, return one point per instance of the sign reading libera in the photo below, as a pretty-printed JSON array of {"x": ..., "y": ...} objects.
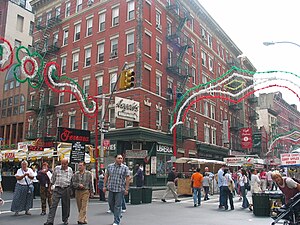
[{"x": 127, "y": 109}]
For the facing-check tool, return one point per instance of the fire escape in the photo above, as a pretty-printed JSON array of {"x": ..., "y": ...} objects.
[
  {"x": 175, "y": 64},
  {"x": 43, "y": 103}
]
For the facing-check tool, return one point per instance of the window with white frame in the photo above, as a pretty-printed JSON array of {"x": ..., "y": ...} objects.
[
  {"x": 100, "y": 57},
  {"x": 115, "y": 16},
  {"x": 57, "y": 12},
  {"x": 86, "y": 86},
  {"x": 102, "y": 21},
  {"x": 169, "y": 61},
  {"x": 87, "y": 57},
  {"x": 63, "y": 64},
  {"x": 169, "y": 28},
  {"x": 214, "y": 135},
  {"x": 213, "y": 112},
  {"x": 193, "y": 49},
  {"x": 210, "y": 64},
  {"x": 112, "y": 118},
  {"x": 68, "y": 9},
  {"x": 158, "y": 19},
  {"x": 195, "y": 129},
  {"x": 50, "y": 98},
  {"x": 205, "y": 108},
  {"x": 206, "y": 133},
  {"x": 65, "y": 37},
  {"x": 55, "y": 39},
  {"x": 75, "y": 62},
  {"x": 203, "y": 58},
  {"x": 130, "y": 43},
  {"x": 78, "y": 5},
  {"x": 99, "y": 85},
  {"x": 77, "y": 28},
  {"x": 209, "y": 40},
  {"x": 61, "y": 95},
  {"x": 89, "y": 27},
  {"x": 59, "y": 121},
  {"x": 194, "y": 75},
  {"x": 114, "y": 47},
  {"x": 113, "y": 80},
  {"x": 219, "y": 70},
  {"x": 130, "y": 10},
  {"x": 158, "y": 84},
  {"x": 49, "y": 124},
  {"x": 84, "y": 122},
  {"x": 72, "y": 121},
  {"x": 48, "y": 17},
  {"x": 204, "y": 79},
  {"x": 158, "y": 118},
  {"x": 158, "y": 51},
  {"x": 72, "y": 97},
  {"x": 187, "y": 69}
]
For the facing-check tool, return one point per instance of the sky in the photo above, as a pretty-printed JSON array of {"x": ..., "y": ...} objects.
[{"x": 250, "y": 23}]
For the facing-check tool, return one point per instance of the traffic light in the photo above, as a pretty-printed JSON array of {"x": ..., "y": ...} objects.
[
  {"x": 127, "y": 79},
  {"x": 122, "y": 80}
]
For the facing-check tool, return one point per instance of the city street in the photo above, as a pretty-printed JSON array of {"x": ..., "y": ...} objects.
[{"x": 157, "y": 213}]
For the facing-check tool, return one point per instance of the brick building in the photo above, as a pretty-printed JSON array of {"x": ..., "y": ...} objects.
[{"x": 171, "y": 45}]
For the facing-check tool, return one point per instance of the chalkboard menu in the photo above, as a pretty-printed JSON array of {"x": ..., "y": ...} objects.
[{"x": 77, "y": 152}]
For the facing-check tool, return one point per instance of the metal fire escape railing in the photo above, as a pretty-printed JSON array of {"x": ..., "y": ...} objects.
[{"x": 180, "y": 41}]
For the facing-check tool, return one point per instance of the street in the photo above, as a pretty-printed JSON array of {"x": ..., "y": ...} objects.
[{"x": 157, "y": 212}]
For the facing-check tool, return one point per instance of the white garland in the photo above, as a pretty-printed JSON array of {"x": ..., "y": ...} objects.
[
  {"x": 6, "y": 53},
  {"x": 286, "y": 137},
  {"x": 36, "y": 67}
]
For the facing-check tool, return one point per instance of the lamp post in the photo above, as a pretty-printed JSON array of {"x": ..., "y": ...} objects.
[{"x": 267, "y": 43}]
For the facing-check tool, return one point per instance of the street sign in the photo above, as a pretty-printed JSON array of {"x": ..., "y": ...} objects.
[{"x": 106, "y": 142}]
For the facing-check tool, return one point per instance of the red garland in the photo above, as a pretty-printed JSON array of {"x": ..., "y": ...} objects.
[
  {"x": 2, "y": 40},
  {"x": 30, "y": 73}
]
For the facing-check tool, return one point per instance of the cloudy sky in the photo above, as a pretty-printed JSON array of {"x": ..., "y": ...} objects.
[{"x": 250, "y": 23}]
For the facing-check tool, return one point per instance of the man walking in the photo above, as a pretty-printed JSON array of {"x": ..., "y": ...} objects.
[
  {"x": 196, "y": 183},
  {"x": 116, "y": 181},
  {"x": 220, "y": 185},
  {"x": 171, "y": 185},
  {"x": 61, "y": 179},
  {"x": 44, "y": 177},
  {"x": 82, "y": 183}
]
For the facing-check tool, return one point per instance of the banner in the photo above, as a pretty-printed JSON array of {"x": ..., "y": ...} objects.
[
  {"x": 246, "y": 138},
  {"x": 289, "y": 159}
]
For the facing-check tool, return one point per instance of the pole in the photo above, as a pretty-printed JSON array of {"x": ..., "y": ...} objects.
[
  {"x": 174, "y": 130},
  {"x": 102, "y": 127},
  {"x": 96, "y": 138}
]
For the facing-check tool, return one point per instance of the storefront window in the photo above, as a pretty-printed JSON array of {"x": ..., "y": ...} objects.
[{"x": 163, "y": 164}]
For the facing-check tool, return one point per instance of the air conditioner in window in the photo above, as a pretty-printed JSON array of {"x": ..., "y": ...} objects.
[
  {"x": 204, "y": 37},
  {"x": 113, "y": 54},
  {"x": 158, "y": 26}
]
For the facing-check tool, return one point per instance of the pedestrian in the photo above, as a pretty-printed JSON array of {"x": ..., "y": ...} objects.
[
  {"x": 61, "y": 181},
  {"x": 23, "y": 194},
  {"x": 82, "y": 184},
  {"x": 254, "y": 186},
  {"x": 116, "y": 181},
  {"x": 242, "y": 180},
  {"x": 206, "y": 185},
  {"x": 139, "y": 176},
  {"x": 220, "y": 183},
  {"x": 263, "y": 179},
  {"x": 171, "y": 179},
  {"x": 228, "y": 187},
  {"x": 35, "y": 181},
  {"x": 196, "y": 184},
  {"x": 100, "y": 186},
  {"x": 44, "y": 177}
]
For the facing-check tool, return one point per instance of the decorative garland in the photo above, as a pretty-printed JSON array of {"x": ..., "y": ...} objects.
[
  {"x": 7, "y": 54},
  {"x": 292, "y": 136}
]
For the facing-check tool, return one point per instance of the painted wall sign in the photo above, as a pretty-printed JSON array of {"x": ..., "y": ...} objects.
[{"x": 127, "y": 109}]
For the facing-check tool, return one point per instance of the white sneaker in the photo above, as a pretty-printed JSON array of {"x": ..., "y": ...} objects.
[
  {"x": 108, "y": 211},
  {"x": 123, "y": 211},
  {"x": 115, "y": 224}
]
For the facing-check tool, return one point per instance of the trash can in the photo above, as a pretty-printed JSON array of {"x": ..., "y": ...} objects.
[
  {"x": 135, "y": 195},
  {"x": 261, "y": 204},
  {"x": 146, "y": 195}
]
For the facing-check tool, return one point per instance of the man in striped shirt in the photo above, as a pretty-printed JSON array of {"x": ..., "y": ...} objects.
[{"x": 116, "y": 181}]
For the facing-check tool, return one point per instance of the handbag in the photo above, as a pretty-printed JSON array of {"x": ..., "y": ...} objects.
[
  {"x": 247, "y": 186},
  {"x": 30, "y": 186}
]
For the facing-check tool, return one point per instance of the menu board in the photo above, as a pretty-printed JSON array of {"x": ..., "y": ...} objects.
[{"x": 77, "y": 152}]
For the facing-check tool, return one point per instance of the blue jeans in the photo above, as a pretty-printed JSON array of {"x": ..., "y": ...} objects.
[
  {"x": 222, "y": 197},
  {"x": 245, "y": 200},
  {"x": 197, "y": 196},
  {"x": 115, "y": 200}
]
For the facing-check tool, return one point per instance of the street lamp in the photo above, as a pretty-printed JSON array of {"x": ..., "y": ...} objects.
[{"x": 267, "y": 43}]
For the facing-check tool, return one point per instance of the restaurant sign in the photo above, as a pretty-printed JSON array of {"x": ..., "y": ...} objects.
[
  {"x": 127, "y": 109},
  {"x": 70, "y": 135},
  {"x": 289, "y": 159}
]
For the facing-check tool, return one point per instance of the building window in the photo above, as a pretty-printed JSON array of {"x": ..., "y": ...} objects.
[
  {"x": 169, "y": 28},
  {"x": 55, "y": 39},
  {"x": 57, "y": 12},
  {"x": 72, "y": 97},
  {"x": 115, "y": 16},
  {"x": 158, "y": 118},
  {"x": 158, "y": 84},
  {"x": 169, "y": 60},
  {"x": 48, "y": 18},
  {"x": 20, "y": 23},
  {"x": 203, "y": 57},
  {"x": 130, "y": 43},
  {"x": 158, "y": 51},
  {"x": 114, "y": 48},
  {"x": 59, "y": 121},
  {"x": 78, "y": 5},
  {"x": 213, "y": 136},
  {"x": 158, "y": 20},
  {"x": 84, "y": 122},
  {"x": 206, "y": 111},
  {"x": 86, "y": 86},
  {"x": 68, "y": 9},
  {"x": 22, "y": 109},
  {"x": 72, "y": 121},
  {"x": 195, "y": 130},
  {"x": 49, "y": 124},
  {"x": 75, "y": 61},
  {"x": 113, "y": 80},
  {"x": 64, "y": 64},
  {"x": 65, "y": 37},
  {"x": 206, "y": 133},
  {"x": 213, "y": 112},
  {"x": 17, "y": 43},
  {"x": 87, "y": 60},
  {"x": 61, "y": 96},
  {"x": 209, "y": 40},
  {"x": 194, "y": 75},
  {"x": 77, "y": 32},
  {"x": 31, "y": 28},
  {"x": 100, "y": 52},
  {"x": 99, "y": 85},
  {"x": 89, "y": 27},
  {"x": 102, "y": 22},
  {"x": 130, "y": 8},
  {"x": 210, "y": 64}
]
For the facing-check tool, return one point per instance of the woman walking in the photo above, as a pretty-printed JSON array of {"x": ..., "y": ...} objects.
[
  {"x": 23, "y": 195},
  {"x": 255, "y": 186},
  {"x": 243, "y": 179}
]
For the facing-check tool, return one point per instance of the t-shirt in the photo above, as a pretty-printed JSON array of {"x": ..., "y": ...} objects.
[
  {"x": 289, "y": 182},
  {"x": 20, "y": 172},
  {"x": 197, "y": 179}
]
